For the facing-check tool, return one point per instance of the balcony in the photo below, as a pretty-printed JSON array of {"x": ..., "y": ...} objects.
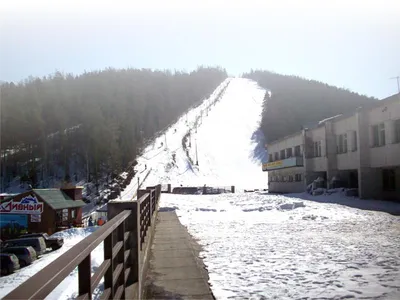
[{"x": 290, "y": 162}]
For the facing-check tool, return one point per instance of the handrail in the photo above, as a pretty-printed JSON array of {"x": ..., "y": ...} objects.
[
  {"x": 46, "y": 280},
  {"x": 121, "y": 249}
]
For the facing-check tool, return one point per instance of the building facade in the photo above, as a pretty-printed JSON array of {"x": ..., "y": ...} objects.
[
  {"x": 359, "y": 150},
  {"x": 41, "y": 210}
]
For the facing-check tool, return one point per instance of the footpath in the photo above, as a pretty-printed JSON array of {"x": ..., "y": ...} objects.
[{"x": 175, "y": 269}]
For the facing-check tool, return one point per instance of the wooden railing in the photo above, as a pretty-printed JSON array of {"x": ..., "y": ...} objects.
[{"x": 127, "y": 238}]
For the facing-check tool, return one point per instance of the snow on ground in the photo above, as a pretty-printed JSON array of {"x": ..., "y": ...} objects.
[
  {"x": 69, "y": 287},
  {"x": 282, "y": 247}
]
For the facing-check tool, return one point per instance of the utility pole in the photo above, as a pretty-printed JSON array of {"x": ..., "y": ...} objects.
[
  {"x": 197, "y": 157},
  {"x": 165, "y": 135},
  {"x": 398, "y": 83}
]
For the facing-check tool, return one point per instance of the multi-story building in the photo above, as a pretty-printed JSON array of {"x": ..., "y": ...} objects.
[{"x": 358, "y": 150}]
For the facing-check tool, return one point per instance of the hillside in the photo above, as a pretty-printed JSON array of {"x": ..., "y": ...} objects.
[
  {"x": 83, "y": 127},
  {"x": 296, "y": 102}
]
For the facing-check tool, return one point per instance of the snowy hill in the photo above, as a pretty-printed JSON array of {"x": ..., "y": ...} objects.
[{"x": 229, "y": 144}]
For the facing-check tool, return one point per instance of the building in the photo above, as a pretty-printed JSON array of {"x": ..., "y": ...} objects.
[
  {"x": 357, "y": 150},
  {"x": 41, "y": 210}
]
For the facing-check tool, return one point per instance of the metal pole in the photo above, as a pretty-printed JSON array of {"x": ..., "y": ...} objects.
[
  {"x": 398, "y": 83},
  {"x": 197, "y": 157}
]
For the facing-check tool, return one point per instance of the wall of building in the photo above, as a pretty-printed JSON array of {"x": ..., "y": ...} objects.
[
  {"x": 315, "y": 164},
  {"x": 362, "y": 162},
  {"x": 45, "y": 222},
  {"x": 289, "y": 142},
  {"x": 350, "y": 159},
  {"x": 275, "y": 186},
  {"x": 389, "y": 154}
]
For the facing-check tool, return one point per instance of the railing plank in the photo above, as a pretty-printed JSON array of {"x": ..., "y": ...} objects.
[
  {"x": 101, "y": 270},
  {"x": 126, "y": 255},
  {"x": 127, "y": 271},
  {"x": 117, "y": 248},
  {"x": 117, "y": 272},
  {"x": 126, "y": 235},
  {"x": 119, "y": 292}
]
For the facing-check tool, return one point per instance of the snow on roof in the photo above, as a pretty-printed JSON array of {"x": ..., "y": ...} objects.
[{"x": 330, "y": 118}]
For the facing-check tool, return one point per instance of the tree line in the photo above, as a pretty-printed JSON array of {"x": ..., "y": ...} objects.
[
  {"x": 297, "y": 102},
  {"x": 79, "y": 127}
]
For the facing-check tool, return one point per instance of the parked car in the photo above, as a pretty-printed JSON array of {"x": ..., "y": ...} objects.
[
  {"x": 26, "y": 254},
  {"x": 36, "y": 243},
  {"x": 51, "y": 242},
  {"x": 8, "y": 263}
]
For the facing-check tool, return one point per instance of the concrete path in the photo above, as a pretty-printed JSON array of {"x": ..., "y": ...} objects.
[{"x": 175, "y": 270}]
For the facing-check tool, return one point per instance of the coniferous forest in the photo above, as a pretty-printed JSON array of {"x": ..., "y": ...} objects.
[
  {"x": 65, "y": 127},
  {"x": 297, "y": 102}
]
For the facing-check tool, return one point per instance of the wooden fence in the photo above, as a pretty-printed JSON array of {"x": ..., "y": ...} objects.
[{"x": 127, "y": 238}]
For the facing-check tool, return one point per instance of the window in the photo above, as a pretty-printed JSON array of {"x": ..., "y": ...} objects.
[
  {"x": 341, "y": 143},
  {"x": 397, "y": 131},
  {"x": 270, "y": 158},
  {"x": 289, "y": 152},
  {"x": 378, "y": 135},
  {"x": 65, "y": 214},
  {"x": 389, "y": 179},
  {"x": 73, "y": 214},
  {"x": 297, "y": 151},
  {"x": 317, "y": 149},
  {"x": 354, "y": 147},
  {"x": 297, "y": 177},
  {"x": 375, "y": 136},
  {"x": 276, "y": 156},
  {"x": 290, "y": 178},
  {"x": 382, "y": 134},
  {"x": 282, "y": 154}
]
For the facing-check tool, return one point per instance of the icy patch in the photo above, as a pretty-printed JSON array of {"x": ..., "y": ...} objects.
[{"x": 290, "y": 206}]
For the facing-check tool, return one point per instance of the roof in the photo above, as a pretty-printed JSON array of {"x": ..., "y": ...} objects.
[{"x": 57, "y": 199}]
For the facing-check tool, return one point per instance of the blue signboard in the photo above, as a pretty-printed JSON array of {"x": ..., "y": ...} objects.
[{"x": 11, "y": 225}]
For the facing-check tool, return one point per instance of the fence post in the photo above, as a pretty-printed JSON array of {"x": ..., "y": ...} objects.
[
  {"x": 114, "y": 208},
  {"x": 85, "y": 277}
]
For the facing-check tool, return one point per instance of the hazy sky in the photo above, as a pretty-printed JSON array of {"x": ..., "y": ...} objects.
[{"x": 352, "y": 43}]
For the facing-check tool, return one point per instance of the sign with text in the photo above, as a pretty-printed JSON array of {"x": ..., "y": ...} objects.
[
  {"x": 27, "y": 205},
  {"x": 285, "y": 163}
]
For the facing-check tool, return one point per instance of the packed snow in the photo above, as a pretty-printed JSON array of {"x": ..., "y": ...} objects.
[{"x": 264, "y": 246}]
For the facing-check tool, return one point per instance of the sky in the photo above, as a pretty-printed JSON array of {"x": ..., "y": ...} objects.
[{"x": 353, "y": 44}]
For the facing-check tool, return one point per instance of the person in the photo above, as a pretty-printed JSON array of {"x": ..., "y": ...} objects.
[
  {"x": 100, "y": 222},
  {"x": 90, "y": 223},
  {"x": 145, "y": 167}
]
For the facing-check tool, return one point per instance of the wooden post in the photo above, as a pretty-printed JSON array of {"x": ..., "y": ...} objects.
[{"x": 85, "y": 277}]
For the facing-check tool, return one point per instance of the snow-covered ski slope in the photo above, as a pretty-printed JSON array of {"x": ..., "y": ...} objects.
[{"x": 225, "y": 141}]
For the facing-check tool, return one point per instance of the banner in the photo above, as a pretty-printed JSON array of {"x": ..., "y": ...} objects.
[{"x": 27, "y": 205}]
